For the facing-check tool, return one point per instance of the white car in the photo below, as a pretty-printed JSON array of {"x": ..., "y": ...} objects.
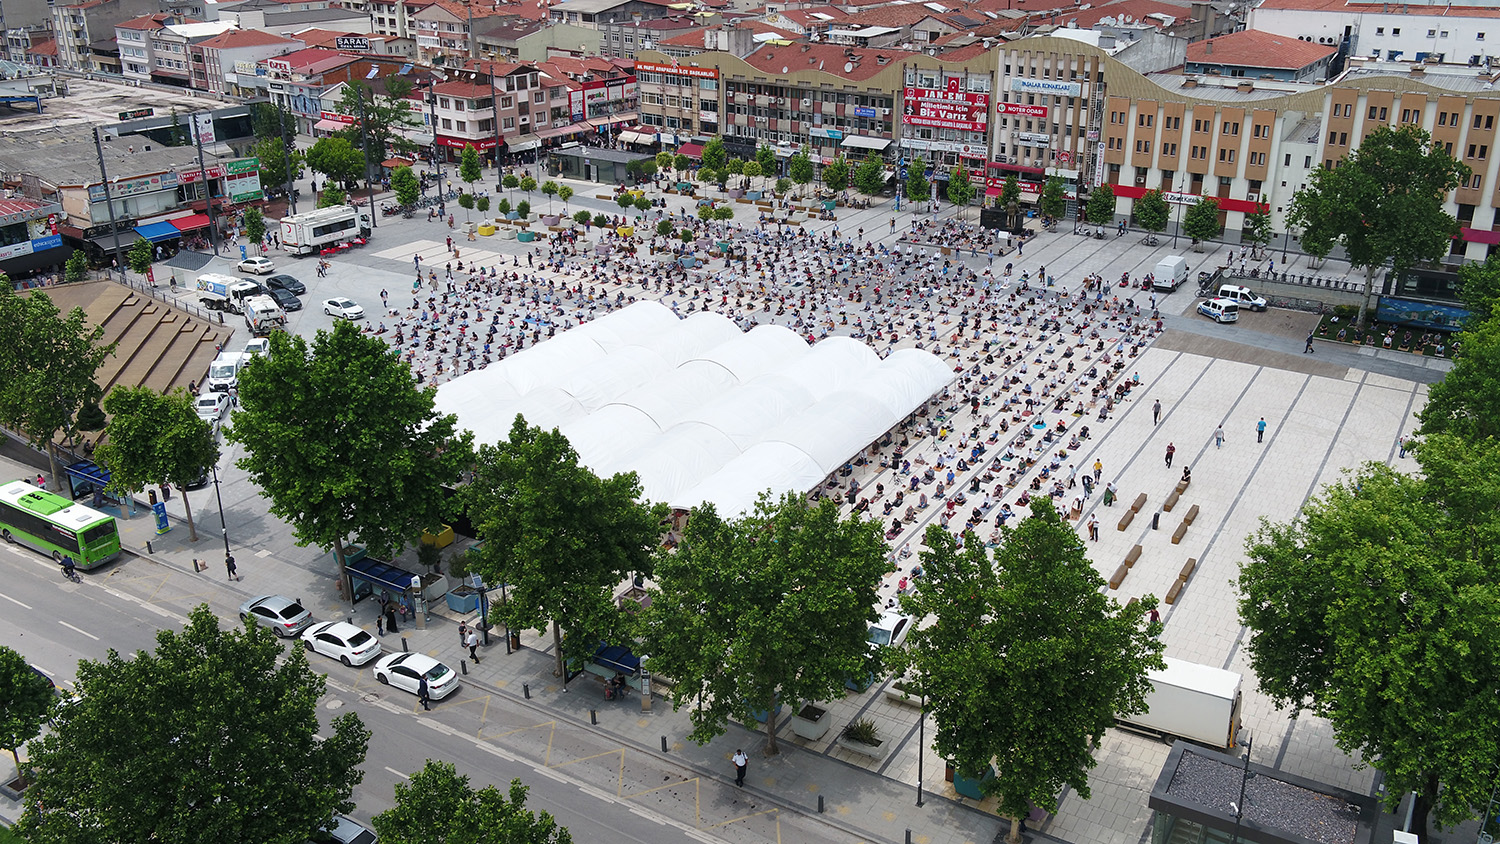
[
  {"x": 405, "y": 671},
  {"x": 343, "y": 308},
  {"x": 256, "y": 265},
  {"x": 211, "y": 408},
  {"x": 341, "y": 640},
  {"x": 258, "y": 347},
  {"x": 891, "y": 629}
]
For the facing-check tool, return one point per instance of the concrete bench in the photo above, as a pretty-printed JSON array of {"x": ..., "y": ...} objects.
[
  {"x": 1125, "y": 519},
  {"x": 1130, "y": 558},
  {"x": 1178, "y": 534},
  {"x": 1171, "y": 501},
  {"x": 1187, "y": 569},
  {"x": 1118, "y": 577},
  {"x": 1182, "y": 486},
  {"x": 1174, "y": 591},
  {"x": 1192, "y": 515},
  {"x": 1140, "y": 501}
]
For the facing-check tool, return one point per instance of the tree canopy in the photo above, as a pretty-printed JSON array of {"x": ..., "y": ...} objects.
[
  {"x": 155, "y": 438},
  {"x": 1035, "y": 622},
  {"x": 342, "y": 439},
  {"x": 918, "y": 189},
  {"x": 382, "y": 118},
  {"x": 214, "y": 737},
  {"x": 1010, "y": 191},
  {"x": 1151, "y": 211},
  {"x": 275, "y": 159},
  {"x": 1101, "y": 207},
  {"x": 714, "y": 154},
  {"x": 140, "y": 256},
  {"x": 439, "y": 806},
  {"x": 404, "y": 183},
  {"x": 836, "y": 174},
  {"x": 800, "y": 168},
  {"x": 1257, "y": 229},
  {"x": 960, "y": 189},
  {"x": 772, "y": 606},
  {"x": 336, "y": 158},
  {"x": 561, "y": 536},
  {"x": 1054, "y": 198},
  {"x": 1201, "y": 220},
  {"x": 26, "y": 699},
  {"x": 869, "y": 177}
]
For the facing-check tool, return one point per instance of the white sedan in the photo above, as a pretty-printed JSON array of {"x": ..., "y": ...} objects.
[
  {"x": 256, "y": 265},
  {"x": 343, "y": 641},
  {"x": 342, "y": 307},
  {"x": 211, "y": 408},
  {"x": 405, "y": 671}
]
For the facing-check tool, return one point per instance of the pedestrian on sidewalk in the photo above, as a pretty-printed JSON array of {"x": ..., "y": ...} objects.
[
  {"x": 1171, "y": 450},
  {"x": 1260, "y": 430},
  {"x": 463, "y": 633},
  {"x": 741, "y": 761},
  {"x": 1072, "y": 476},
  {"x": 1093, "y": 528},
  {"x": 229, "y": 566},
  {"x": 1110, "y": 494},
  {"x": 473, "y": 643},
  {"x": 1219, "y": 436},
  {"x": 422, "y": 693},
  {"x": 1098, "y": 470},
  {"x": 1403, "y": 444},
  {"x": 1156, "y": 412},
  {"x": 1309, "y": 349},
  {"x": 1155, "y": 616}
]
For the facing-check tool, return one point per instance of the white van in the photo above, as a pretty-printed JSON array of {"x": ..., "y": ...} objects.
[
  {"x": 1170, "y": 272},
  {"x": 1220, "y": 310},
  {"x": 1242, "y": 296},
  {"x": 224, "y": 372}
]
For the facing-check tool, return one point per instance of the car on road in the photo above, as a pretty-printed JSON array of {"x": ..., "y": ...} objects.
[
  {"x": 257, "y": 346},
  {"x": 258, "y": 265},
  {"x": 285, "y": 617},
  {"x": 405, "y": 671},
  {"x": 211, "y": 408},
  {"x": 1220, "y": 310},
  {"x": 287, "y": 283},
  {"x": 890, "y": 629},
  {"x": 286, "y": 299},
  {"x": 345, "y": 830},
  {"x": 341, "y": 640},
  {"x": 341, "y": 307}
]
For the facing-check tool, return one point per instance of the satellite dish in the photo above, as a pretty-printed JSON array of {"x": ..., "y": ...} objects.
[
  {"x": 783, "y": 68},
  {"x": 848, "y": 67}
]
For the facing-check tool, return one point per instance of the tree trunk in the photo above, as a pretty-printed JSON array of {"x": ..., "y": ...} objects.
[
  {"x": 1422, "y": 808},
  {"x": 187, "y": 508},
  {"x": 1364, "y": 307},
  {"x": 561, "y": 670},
  {"x": 1014, "y": 836},
  {"x": 345, "y": 586},
  {"x": 771, "y": 748},
  {"x": 52, "y": 464}
]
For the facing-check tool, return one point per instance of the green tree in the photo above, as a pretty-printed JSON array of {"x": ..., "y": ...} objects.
[
  {"x": 269, "y": 121},
  {"x": 140, "y": 256},
  {"x": 225, "y": 744},
  {"x": 642, "y": 204},
  {"x": 664, "y": 160},
  {"x": 25, "y": 703},
  {"x": 77, "y": 267},
  {"x": 664, "y": 228},
  {"x": 766, "y": 159},
  {"x": 724, "y": 213},
  {"x": 1034, "y": 621},
  {"x": 384, "y": 118},
  {"x": 714, "y": 155},
  {"x": 466, "y": 202},
  {"x": 439, "y": 805},
  {"x": 155, "y": 438},
  {"x": 255, "y": 226},
  {"x": 1257, "y": 230},
  {"x": 1054, "y": 198},
  {"x": 1376, "y": 608},
  {"x": 960, "y": 189},
  {"x": 805, "y": 575},
  {"x": 1151, "y": 211},
  {"x": 468, "y": 166},
  {"x": 1201, "y": 220},
  {"x": 1383, "y": 203},
  {"x": 549, "y": 190},
  {"x": 49, "y": 360},
  {"x": 561, "y": 536},
  {"x": 1466, "y": 403},
  {"x": 836, "y": 174},
  {"x": 800, "y": 168},
  {"x": 625, "y": 200},
  {"x": 565, "y": 193},
  {"x": 1479, "y": 287},
  {"x": 408, "y": 189},
  {"x": 1101, "y": 207},
  {"x": 528, "y": 184},
  {"x": 332, "y": 196},
  {"x": 337, "y": 159},
  {"x": 681, "y": 163},
  {"x": 523, "y": 208},
  {"x": 734, "y": 167},
  {"x": 510, "y": 182},
  {"x": 783, "y": 185},
  {"x": 1010, "y": 191},
  {"x": 752, "y": 169},
  {"x": 583, "y": 218},
  {"x": 601, "y": 221},
  {"x": 482, "y": 205},
  {"x": 276, "y": 161},
  {"x": 916, "y": 187},
  {"x": 869, "y": 177},
  {"x": 343, "y": 441}
]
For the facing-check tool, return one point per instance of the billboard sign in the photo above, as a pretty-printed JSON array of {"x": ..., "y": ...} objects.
[
  {"x": 1022, "y": 109},
  {"x": 134, "y": 187},
  {"x": 694, "y": 72},
  {"x": 358, "y": 44},
  {"x": 945, "y": 108},
  {"x": 1056, "y": 88}
]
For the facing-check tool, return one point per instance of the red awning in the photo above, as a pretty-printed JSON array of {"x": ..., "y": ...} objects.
[
  {"x": 1019, "y": 168},
  {"x": 1479, "y": 235},
  {"x": 559, "y": 131},
  {"x": 992, "y": 192},
  {"x": 190, "y": 223},
  {"x": 691, "y": 150}
]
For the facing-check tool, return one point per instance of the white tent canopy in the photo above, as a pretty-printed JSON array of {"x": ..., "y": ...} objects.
[{"x": 700, "y": 411}]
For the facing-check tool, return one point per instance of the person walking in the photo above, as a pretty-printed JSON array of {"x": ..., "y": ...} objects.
[
  {"x": 1260, "y": 430},
  {"x": 1093, "y": 528},
  {"x": 1072, "y": 476},
  {"x": 229, "y": 565},
  {"x": 41, "y": 482},
  {"x": 473, "y": 643},
  {"x": 1098, "y": 470},
  {"x": 1156, "y": 412},
  {"x": 741, "y": 761},
  {"x": 1401, "y": 442},
  {"x": 1110, "y": 494},
  {"x": 422, "y": 693},
  {"x": 1309, "y": 349},
  {"x": 1219, "y": 437},
  {"x": 463, "y": 634},
  {"x": 1171, "y": 450}
]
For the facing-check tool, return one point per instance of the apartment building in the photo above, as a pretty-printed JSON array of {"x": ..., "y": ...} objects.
[
  {"x": 85, "y": 32},
  {"x": 517, "y": 97},
  {"x": 156, "y": 48},
  {"x": 1436, "y": 34},
  {"x": 591, "y": 14},
  {"x": 226, "y": 55}
]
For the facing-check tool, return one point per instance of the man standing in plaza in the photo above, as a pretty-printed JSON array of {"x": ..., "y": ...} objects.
[
  {"x": 1260, "y": 430},
  {"x": 1093, "y": 528},
  {"x": 1171, "y": 450},
  {"x": 1219, "y": 437},
  {"x": 1156, "y": 412},
  {"x": 473, "y": 643}
]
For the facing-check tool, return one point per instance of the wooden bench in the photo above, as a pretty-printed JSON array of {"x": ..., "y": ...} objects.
[
  {"x": 1192, "y": 514},
  {"x": 1171, "y": 501},
  {"x": 1130, "y": 558},
  {"x": 1187, "y": 569},
  {"x": 1178, "y": 534},
  {"x": 1182, "y": 486},
  {"x": 1140, "y": 501},
  {"x": 1118, "y": 577},
  {"x": 1125, "y": 519},
  {"x": 1174, "y": 591}
]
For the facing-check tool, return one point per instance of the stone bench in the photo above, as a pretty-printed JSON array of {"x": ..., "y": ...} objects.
[
  {"x": 1187, "y": 569},
  {"x": 1130, "y": 558},
  {"x": 1180, "y": 532},
  {"x": 1173, "y": 592},
  {"x": 1182, "y": 486},
  {"x": 1118, "y": 577},
  {"x": 1171, "y": 501},
  {"x": 1125, "y": 519},
  {"x": 1192, "y": 515},
  {"x": 1140, "y": 501}
]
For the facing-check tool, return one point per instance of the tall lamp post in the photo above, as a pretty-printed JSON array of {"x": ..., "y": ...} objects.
[
  {"x": 1239, "y": 808},
  {"x": 223, "y": 528},
  {"x": 1176, "y": 230}
]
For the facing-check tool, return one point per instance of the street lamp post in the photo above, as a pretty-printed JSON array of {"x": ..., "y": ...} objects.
[
  {"x": 1239, "y": 808},
  {"x": 1176, "y": 230},
  {"x": 223, "y": 528}
]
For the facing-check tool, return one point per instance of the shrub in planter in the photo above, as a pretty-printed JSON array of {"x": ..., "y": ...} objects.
[
  {"x": 429, "y": 555},
  {"x": 524, "y": 209},
  {"x": 664, "y": 228},
  {"x": 583, "y": 218},
  {"x": 863, "y": 731},
  {"x": 601, "y": 221}
]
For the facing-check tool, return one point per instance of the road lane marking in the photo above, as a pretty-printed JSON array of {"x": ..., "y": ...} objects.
[
  {"x": 80, "y": 630},
  {"x": 400, "y": 774},
  {"x": 14, "y": 601}
]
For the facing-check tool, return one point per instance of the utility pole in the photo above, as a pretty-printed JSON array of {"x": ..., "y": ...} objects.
[
  {"x": 495, "y": 116},
  {"x": 208, "y": 194},
  {"x": 437, "y": 158},
  {"x": 289, "y": 144},
  {"x": 108, "y": 202},
  {"x": 365, "y": 142}
]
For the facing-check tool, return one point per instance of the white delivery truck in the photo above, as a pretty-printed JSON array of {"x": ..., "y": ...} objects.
[
  {"x": 305, "y": 234},
  {"x": 263, "y": 315},
  {"x": 219, "y": 292},
  {"x": 1191, "y": 701},
  {"x": 1171, "y": 271}
]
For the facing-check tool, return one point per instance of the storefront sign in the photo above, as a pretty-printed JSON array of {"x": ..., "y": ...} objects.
[
  {"x": 134, "y": 187},
  {"x": 575, "y": 105},
  {"x": 242, "y": 165},
  {"x": 333, "y": 115},
  {"x": 243, "y": 187},
  {"x": 694, "y": 72},
  {"x": 945, "y": 108},
  {"x": 358, "y": 44},
  {"x": 1098, "y": 164},
  {"x": 1022, "y": 109},
  {"x": 214, "y": 171},
  {"x": 708, "y": 116},
  {"x": 137, "y": 114},
  {"x": 831, "y": 134},
  {"x": 1033, "y": 139},
  {"x": 204, "y": 123},
  {"x": 1046, "y": 86},
  {"x": 966, "y": 150},
  {"x": 864, "y": 111},
  {"x": 28, "y": 247}
]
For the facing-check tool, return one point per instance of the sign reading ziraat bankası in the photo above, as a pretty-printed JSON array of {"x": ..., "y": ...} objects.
[{"x": 949, "y": 107}]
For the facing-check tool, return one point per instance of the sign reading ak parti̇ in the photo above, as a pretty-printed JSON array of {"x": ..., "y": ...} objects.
[{"x": 137, "y": 114}]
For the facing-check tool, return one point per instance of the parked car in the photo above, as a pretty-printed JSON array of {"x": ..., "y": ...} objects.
[
  {"x": 890, "y": 629},
  {"x": 342, "y": 829},
  {"x": 405, "y": 671},
  {"x": 285, "y": 617},
  {"x": 287, "y": 283},
  {"x": 257, "y": 346},
  {"x": 341, "y": 640},
  {"x": 1243, "y": 296},
  {"x": 1220, "y": 310},
  {"x": 211, "y": 407},
  {"x": 342, "y": 307},
  {"x": 286, "y": 299},
  {"x": 258, "y": 265}
]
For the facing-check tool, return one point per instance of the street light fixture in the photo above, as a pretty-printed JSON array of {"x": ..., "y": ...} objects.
[{"x": 223, "y": 528}]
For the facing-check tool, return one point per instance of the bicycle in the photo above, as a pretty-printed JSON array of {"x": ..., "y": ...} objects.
[{"x": 69, "y": 571}]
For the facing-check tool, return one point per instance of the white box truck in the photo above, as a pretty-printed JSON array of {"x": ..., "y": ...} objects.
[
  {"x": 1171, "y": 271},
  {"x": 219, "y": 292},
  {"x": 305, "y": 234},
  {"x": 263, "y": 315},
  {"x": 1196, "y": 702}
]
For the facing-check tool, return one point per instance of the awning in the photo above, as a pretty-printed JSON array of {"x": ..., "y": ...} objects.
[
  {"x": 559, "y": 131},
  {"x": 393, "y": 163},
  {"x": 862, "y": 142},
  {"x": 691, "y": 150},
  {"x": 521, "y": 143},
  {"x": 421, "y": 139},
  {"x": 328, "y": 126},
  {"x": 158, "y": 232},
  {"x": 1479, "y": 235},
  {"x": 190, "y": 222},
  {"x": 991, "y": 191},
  {"x": 633, "y": 137},
  {"x": 614, "y": 120},
  {"x": 1030, "y": 196}
]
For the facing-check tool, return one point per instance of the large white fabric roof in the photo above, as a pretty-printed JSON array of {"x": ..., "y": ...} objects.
[{"x": 699, "y": 410}]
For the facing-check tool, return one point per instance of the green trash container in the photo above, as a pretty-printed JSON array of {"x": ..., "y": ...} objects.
[
  {"x": 828, "y": 204},
  {"x": 526, "y": 237}
]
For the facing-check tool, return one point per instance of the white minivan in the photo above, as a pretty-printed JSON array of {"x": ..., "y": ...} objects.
[
  {"x": 224, "y": 372},
  {"x": 1243, "y": 296},
  {"x": 1171, "y": 272},
  {"x": 1220, "y": 310}
]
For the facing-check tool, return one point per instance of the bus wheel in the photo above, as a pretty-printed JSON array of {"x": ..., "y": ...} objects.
[
  {"x": 57, "y": 557},
  {"x": 9, "y": 540}
]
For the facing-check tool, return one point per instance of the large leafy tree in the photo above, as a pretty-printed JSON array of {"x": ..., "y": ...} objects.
[
  {"x": 275, "y": 162},
  {"x": 385, "y": 117},
  {"x": 25, "y": 703},
  {"x": 869, "y": 177},
  {"x": 1101, "y": 208},
  {"x": 714, "y": 154},
  {"x": 1257, "y": 230},
  {"x": 960, "y": 189},
  {"x": 561, "y": 536},
  {"x": 1378, "y": 609},
  {"x": 918, "y": 189},
  {"x": 439, "y": 806},
  {"x": 268, "y": 120},
  {"x": 336, "y": 158},
  {"x": 404, "y": 183},
  {"x": 766, "y": 158},
  {"x": 468, "y": 166},
  {"x": 1383, "y": 203},
  {"x": 140, "y": 256},
  {"x": 1479, "y": 287},
  {"x": 1151, "y": 211},
  {"x": 773, "y": 606},
  {"x": 1028, "y": 660},
  {"x": 1201, "y": 221},
  {"x": 77, "y": 267},
  {"x": 1054, "y": 198},
  {"x": 1010, "y": 191},
  {"x": 214, "y": 737},
  {"x": 836, "y": 174},
  {"x": 154, "y": 438},
  {"x": 800, "y": 168},
  {"x": 344, "y": 442},
  {"x": 255, "y": 225},
  {"x": 49, "y": 360}
]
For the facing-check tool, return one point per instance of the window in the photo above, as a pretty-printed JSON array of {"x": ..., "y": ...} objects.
[
  {"x": 1432, "y": 33},
  {"x": 1226, "y": 156},
  {"x": 1343, "y": 139},
  {"x": 1372, "y": 112},
  {"x": 1489, "y": 121},
  {"x": 1379, "y": 30},
  {"x": 1230, "y": 129},
  {"x": 458, "y": 105},
  {"x": 1168, "y": 149},
  {"x": 1143, "y": 146},
  {"x": 447, "y": 124},
  {"x": 507, "y": 102},
  {"x": 1145, "y": 120},
  {"x": 508, "y": 123},
  {"x": 1307, "y": 162},
  {"x": 1262, "y": 130},
  {"x": 1288, "y": 160},
  {"x": 461, "y": 126}
]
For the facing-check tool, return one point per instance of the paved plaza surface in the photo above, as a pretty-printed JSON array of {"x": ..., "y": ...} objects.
[{"x": 1325, "y": 412}]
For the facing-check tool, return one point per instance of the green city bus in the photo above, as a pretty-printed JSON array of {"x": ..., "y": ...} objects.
[{"x": 54, "y": 525}]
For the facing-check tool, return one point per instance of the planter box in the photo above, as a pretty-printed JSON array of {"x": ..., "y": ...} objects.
[
  {"x": 735, "y": 193},
  {"x": 752, "y": 195},
  {"x": 463, "y": 600},
  {"x": 873, "y": 751},
  {"x": 507, "y": 233},
  {"x": 903, "y": 697},
  {"x": 811, "y": 722},
  {"x": 550, "y": 219},
  {"x": 441, "y": 539},
  {"x": 969, "y": 788},
  {"x": 526, "y": 237},
  {"x": 434, "y": 586}
]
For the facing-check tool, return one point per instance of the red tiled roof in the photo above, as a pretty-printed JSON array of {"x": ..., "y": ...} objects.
[
  {"x": 890, "y": 16},
  {"x": 245, "y": 38},
  {"x": 1253, "y": 48},
  {"x": 690, "y": 38},
  {"x": 1355, "y": 8},
  {"x": 43, "y": 47},
  {"x": 146, "y": 22},
  {"x": 830, "y": 58}
]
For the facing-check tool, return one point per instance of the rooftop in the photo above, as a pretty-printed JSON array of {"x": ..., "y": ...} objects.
[
  {"x": 148, "y": 23},
  {"x": 246, "y": 38},
  {"x": 1253, "y": 48},
  {"x": 852, "y": 63},
  {"x": 590, "y": 7},
  {"x": 1348, "y": 7},
  {"x": 64, "y": 158}
]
